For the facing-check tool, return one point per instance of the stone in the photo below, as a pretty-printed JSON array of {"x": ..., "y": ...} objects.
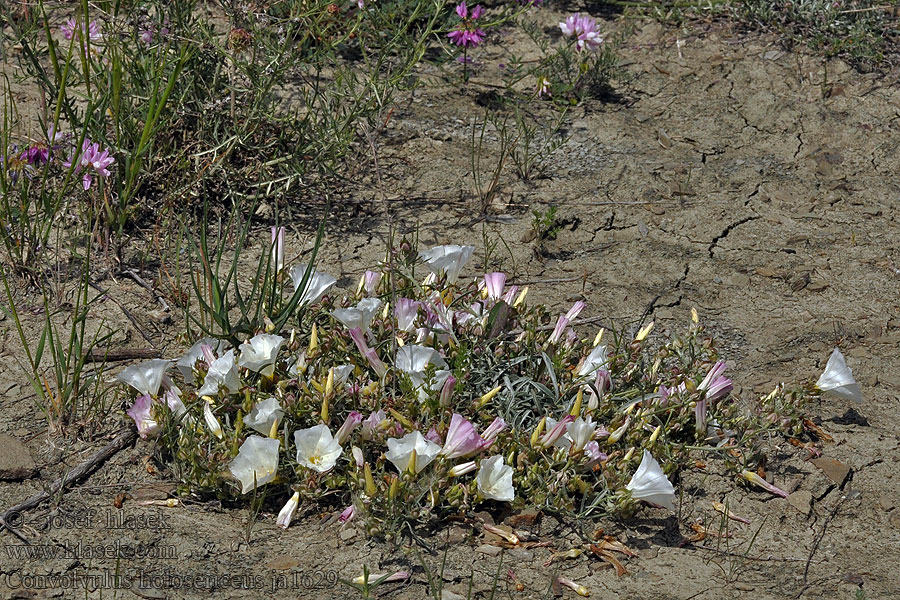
[
  {"x": 489, "y": 549},
  {"x": 802, "y": 501},
  {"x": 520, "y": 555},
  {"x": 457, "y": 535},
  {"x": 835, "y": 470},
  {"x": 448, "y": 595},
  {"x": 16, "y": 462},
  {"x": 889, "y": 380},
  {"x": 485, "y": 517},
  {"x": 348, "y": 534}
]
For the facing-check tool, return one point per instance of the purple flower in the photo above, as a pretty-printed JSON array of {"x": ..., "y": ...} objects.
[
  {"x": 68, "y": 29},
  {"x": 584, "y": 30},
  {"x": 91, "y": 158},
  {"x": 467, "y": 33},
  {"x": 37, "y": 154}
]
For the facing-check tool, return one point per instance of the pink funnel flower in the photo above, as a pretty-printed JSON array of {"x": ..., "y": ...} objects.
[
  {"x": 462, "y": 439},
  {"x": 140, "y": 412},
  {"x": 371, "y": 424},
  {"x": 352, "y": 422},
  {"x": 494, "y": 282},
  {"x": 716, "y": 385},
  {"x": 369, "y": 353},
  {"x": 371, "y": 279},
  {"x": 557, "y": 431},
  {"x": 494, "y": 429},
  {"x": 561, "y": 325},
  {"x": 584, "y": 30},
  {"x": 348, "y": 514},
  {"x": 447, "y": 390},
  {"x": 406, "y": 311},
  {"x": 575, "y": 310}
]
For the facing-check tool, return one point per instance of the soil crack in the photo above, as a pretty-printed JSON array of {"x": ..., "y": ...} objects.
[{"x": 727, "y": 230}]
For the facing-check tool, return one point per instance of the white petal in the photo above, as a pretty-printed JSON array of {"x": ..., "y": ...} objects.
[
  {"x": 317, "y": 286},
  {"x": 400, "y": 451},
  {"x": 211, "y": 421}
]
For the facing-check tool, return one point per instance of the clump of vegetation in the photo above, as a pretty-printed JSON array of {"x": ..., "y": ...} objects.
[
  {"x": 420, "y": 397},
  {"x": 860, "y": 30}
]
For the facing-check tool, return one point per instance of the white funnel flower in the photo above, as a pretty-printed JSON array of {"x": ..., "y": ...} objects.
[
  {"x": 494, "y": 479},
  {"x": 256, "y": 463},
  {"x": 650, "y": 483},
  {"x": 259, "y": 353},
  {"x": 838, "y": 378},
  {"x": 359, "y": 316},
  {"x": 145, "y": 377},
  {"x": 263, "y": 415},
  {"x": 317, "y": 286},
  {"x": 222, "y": 372},
  {"x": 400, "y": 451},
  {"x": 450, "y": 259},
  {"x": 316, "y": 448}
]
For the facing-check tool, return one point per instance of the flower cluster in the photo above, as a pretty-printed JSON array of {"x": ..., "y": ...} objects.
[
  {"x": 584, "y": 30},
  {"x": 33, "y": 156},
  {"x": 92, "y": 161},
  {"x": 70, "y": 28},
  {"x": 149, "y": 32},
  {"x": 418, "y": 403},
  {"x": 467, "y": 33}
]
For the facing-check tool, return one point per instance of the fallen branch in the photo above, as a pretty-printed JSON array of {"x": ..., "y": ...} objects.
[
  {"x": 124, "y": 438},
  {"x": 120, "y": 355}
]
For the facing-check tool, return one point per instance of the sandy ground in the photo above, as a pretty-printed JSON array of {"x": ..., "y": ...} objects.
[{"x": 727, "y": 175}]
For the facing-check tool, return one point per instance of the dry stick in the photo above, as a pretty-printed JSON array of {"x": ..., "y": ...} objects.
[
  {"x": 125, "y": 311},
  {"x": 140, "y": 281},
  {"x": 120, "y": 355},
  {"x": 124, "y": 438}
]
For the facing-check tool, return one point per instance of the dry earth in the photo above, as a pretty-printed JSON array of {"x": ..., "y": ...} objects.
[{"x": 727, "y": 175}]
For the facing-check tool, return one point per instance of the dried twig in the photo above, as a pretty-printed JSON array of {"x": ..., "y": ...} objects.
[{"x": 124, "y": 438}]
